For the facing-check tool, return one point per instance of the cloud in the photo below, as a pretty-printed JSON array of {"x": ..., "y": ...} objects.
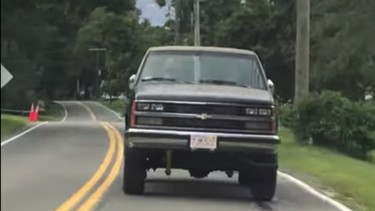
[{"x": 151, "y": 5}]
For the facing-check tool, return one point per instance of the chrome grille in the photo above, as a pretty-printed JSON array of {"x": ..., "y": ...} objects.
[
  {"x": 215, "y": 124},
  {"x": 207, "y": 109},
  {"x": 209, "y": 117}
]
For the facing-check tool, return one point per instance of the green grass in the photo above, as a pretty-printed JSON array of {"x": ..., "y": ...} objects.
[
  {"x": 353, "y": 181},
  {"x": 116, "y": 105},
  {"x": 10, "y": 123},
  {"x": 54, "y": 112}
]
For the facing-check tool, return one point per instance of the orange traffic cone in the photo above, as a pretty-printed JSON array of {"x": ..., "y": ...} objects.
[
  {"x": 31, "y": 113},
  {"x": 36, "y": 113}
]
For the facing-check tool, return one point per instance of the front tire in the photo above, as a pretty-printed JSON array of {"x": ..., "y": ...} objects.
[
  {"x": 263, "y": 186},
  {"x": 244, "y": 178},
  {"x": 134, "y": 172}
]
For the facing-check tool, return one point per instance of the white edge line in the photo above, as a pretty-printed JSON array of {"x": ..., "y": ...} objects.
[
  {"x": 110, "y": 110},
  {"x": 65, "y": 111},
  {"x": 22, "y": 134},
  {"x": 314, "y": 192}
]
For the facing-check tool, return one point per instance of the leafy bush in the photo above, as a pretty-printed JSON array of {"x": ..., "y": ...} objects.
[
  {"x": 287, "y": 115},
  {"x": 118, "y": 105},
  {"x": 331, "y": 120},
  {"x": 371, "y": 156}
]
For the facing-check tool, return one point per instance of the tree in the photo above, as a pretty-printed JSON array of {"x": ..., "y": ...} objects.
[
  {"x": 267, "y": 28},
  {"x": 343, "y": 49},
  {"x": 125, "y": 39},
  {"x": 38, "y": 43},
  {"x": 44, "y": 42},
  {"x": 112, "y": 88}
]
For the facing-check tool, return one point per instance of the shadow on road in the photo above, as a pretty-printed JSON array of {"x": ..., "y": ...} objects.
[
  {"x": 201, "y": 190},
  {"x": 196, "y": 189}
]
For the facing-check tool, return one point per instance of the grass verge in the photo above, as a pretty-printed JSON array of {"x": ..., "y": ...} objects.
[
  {"x": 116, "y": 105},
  {"x": 341, "y": 177},
  {"x": 54, "y": 112},
  {"x": 11, "y": 123}
]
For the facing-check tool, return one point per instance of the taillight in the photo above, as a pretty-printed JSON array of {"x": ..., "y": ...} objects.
[{"x": 132, "y": 113}]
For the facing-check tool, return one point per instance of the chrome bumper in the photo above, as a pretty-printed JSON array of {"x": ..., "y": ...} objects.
[{"x": 165, "y": 139}]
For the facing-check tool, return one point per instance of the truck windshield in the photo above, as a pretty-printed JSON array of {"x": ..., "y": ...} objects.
[{"x": 203, "y": 68}]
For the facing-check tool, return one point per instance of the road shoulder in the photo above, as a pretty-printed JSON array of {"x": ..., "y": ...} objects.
[
  {"x": 22, "y": 131},
  {"x": 336, "y": 176},
  {"x": 11, "y": 124}
]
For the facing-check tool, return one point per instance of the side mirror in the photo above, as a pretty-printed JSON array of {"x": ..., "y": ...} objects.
[
  {"x": 271, "y": 86},
  {"x": 131, "y": 81}
]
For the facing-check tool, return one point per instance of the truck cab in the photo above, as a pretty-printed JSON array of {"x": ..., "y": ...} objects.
[{"x": 202, "y": 109}]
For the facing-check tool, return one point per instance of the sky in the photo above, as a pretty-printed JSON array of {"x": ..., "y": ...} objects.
[{"x": 152, "y": 11}]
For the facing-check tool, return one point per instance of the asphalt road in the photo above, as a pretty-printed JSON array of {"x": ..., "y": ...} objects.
[{"x": 77, "y": 164}]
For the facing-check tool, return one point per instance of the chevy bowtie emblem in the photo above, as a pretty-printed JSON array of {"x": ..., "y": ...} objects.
[{"x": 203, "y": 116}]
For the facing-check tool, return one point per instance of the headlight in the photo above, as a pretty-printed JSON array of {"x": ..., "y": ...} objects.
[
  {"x": 143, "y": 106},
  {"x": 150, "y": 107},
  {"x": 157, "y": 107},
  {"x": 265, "y": 112},
  {"x": 149, "y": 121},
  {"x": 259, "y": 112},
  {"x": 251, "y": 111}
]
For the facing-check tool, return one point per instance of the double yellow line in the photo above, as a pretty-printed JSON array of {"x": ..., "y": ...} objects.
[{"x": 90, "y": 193}]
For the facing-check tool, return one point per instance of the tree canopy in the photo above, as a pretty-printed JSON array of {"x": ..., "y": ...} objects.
[
  {"x": 342, "y": 39},
  {"x": 45, "y": 43}
]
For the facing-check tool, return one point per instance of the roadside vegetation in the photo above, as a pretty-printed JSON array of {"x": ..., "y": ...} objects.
[
  {"x": 344, "y": 178},
  {"x": 332, "y": 121},
  {"x": 11, "y": 123},
  {"x": 330, "y": 143},
  {"x": 117, "y": 105},
  {"x": 53, "y": 112}
]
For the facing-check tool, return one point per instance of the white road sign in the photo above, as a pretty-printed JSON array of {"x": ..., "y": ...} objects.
[{"x": 5, "y": 76}]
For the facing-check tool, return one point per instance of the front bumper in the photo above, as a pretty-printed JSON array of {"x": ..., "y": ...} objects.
[{"x": 180, "y": 140}]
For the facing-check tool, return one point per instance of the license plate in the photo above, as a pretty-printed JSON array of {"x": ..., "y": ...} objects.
[{"x": 203, "y": 142}]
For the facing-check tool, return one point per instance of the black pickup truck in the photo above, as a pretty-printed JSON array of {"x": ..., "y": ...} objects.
[{"x": 202, "y": 109}]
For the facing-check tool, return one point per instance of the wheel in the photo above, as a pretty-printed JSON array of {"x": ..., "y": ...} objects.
[
  {"x": 134, "y": 172},
  {"x": 263, "y": 185},
  {"x": 244, "y": 178}
]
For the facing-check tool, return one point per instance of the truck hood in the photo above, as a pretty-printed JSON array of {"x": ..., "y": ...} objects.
[{"x": 202, "y": 93}]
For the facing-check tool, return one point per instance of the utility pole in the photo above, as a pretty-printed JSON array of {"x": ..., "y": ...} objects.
[
  {"x": 99, "y": 71},
  {"x": 197, "y": 35},
  {"x": 177, "y": 21},
  {"x": 302, "y": 50}
]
